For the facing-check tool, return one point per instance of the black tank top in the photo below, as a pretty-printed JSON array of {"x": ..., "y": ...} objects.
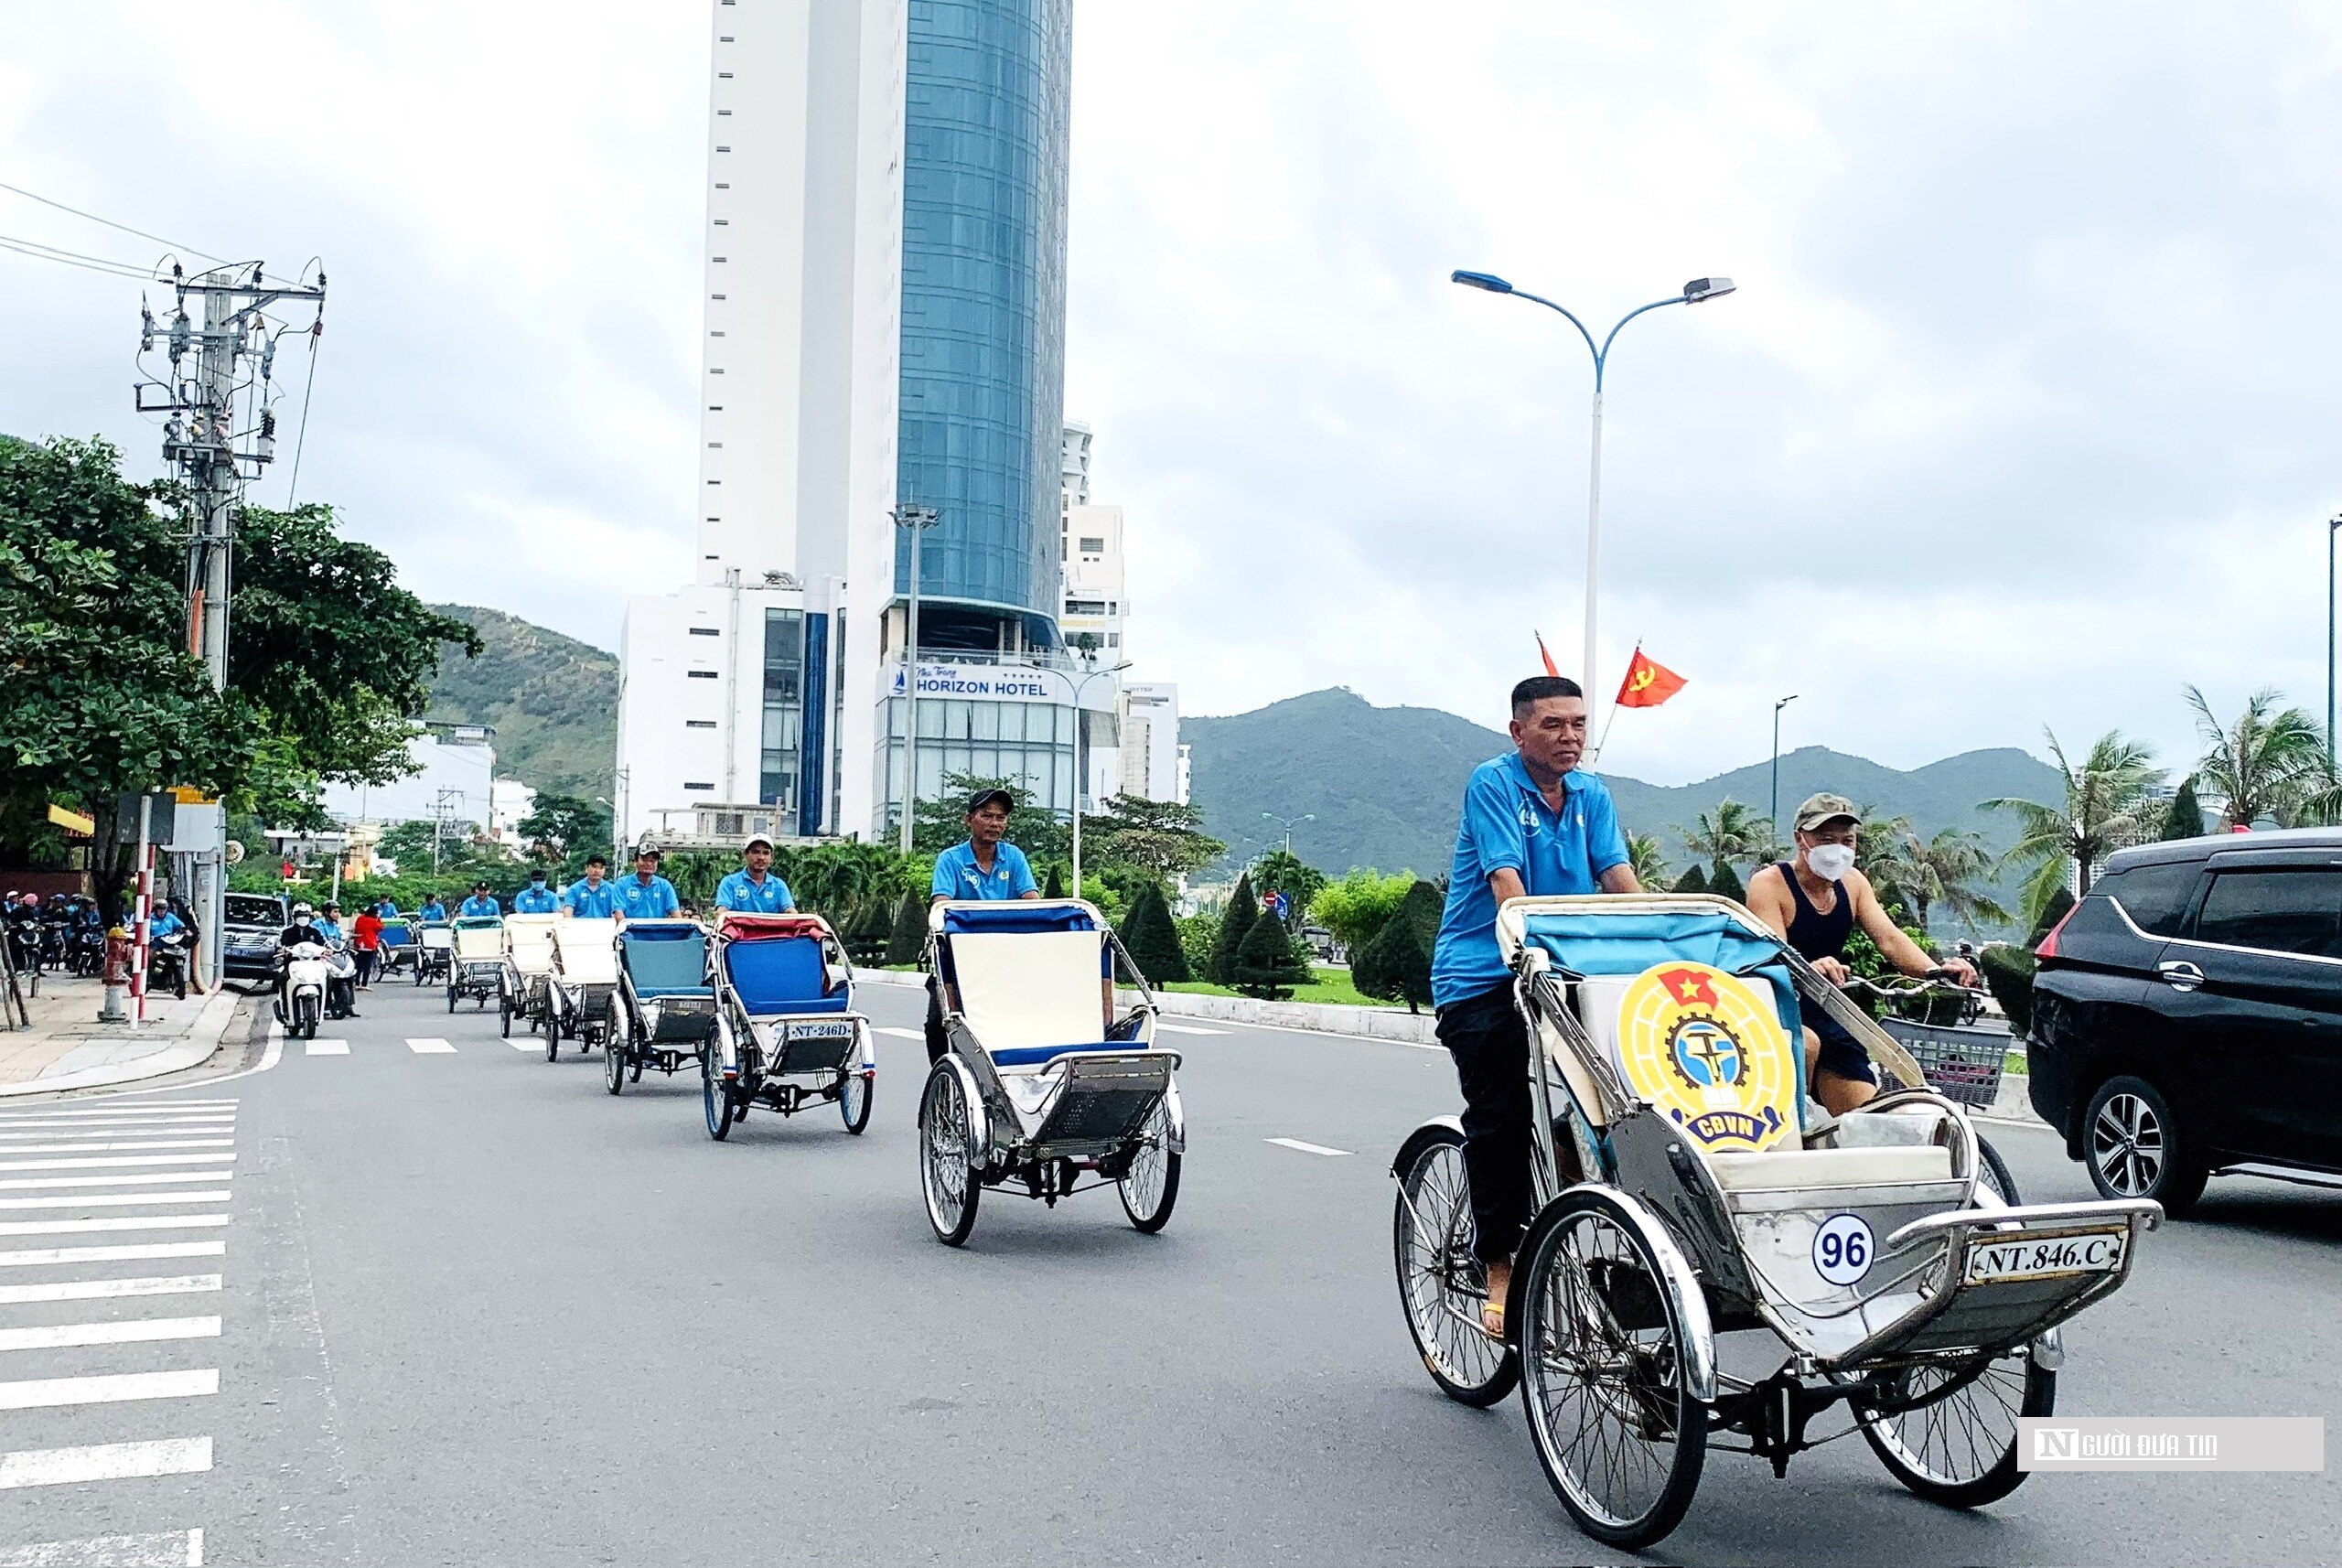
[{"x": 1812, "y": 933}]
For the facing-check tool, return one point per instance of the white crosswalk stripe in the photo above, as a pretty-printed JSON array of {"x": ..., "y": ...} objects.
[
  {"x": 433, "y": 1048},
  {"x": 102, "y": 1160},
  {"x": 325, "y": 1047}
]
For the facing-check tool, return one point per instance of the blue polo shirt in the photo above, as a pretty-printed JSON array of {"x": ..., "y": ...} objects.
[
  {"x": 742, "y": 892},
  {"x": 478, "y": 904},
  {"x": 652, "y": 900},
  {"x": 1508, "y": 826},
  {"x": 957, "y": 874},
  {"x": 535, "y": 899},
  {"x": 588, "y": 902},
  {"x": 435, "y": 910}
]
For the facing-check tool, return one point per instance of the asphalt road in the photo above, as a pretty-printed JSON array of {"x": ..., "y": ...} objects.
[{"x": 467, "y": 1308}]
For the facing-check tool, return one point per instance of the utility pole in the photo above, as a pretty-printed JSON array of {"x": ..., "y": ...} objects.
[
  {"x": 919, "y": 520},
  {"x": 200, "y": 447}
]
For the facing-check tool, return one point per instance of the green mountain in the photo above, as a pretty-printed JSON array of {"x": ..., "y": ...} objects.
[
  {"x": 1384, "y": 783},
  {"x": 553, "y": 700}
]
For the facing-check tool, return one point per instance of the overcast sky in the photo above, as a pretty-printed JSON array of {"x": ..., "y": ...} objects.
[{"x": 2025, "y": 413}]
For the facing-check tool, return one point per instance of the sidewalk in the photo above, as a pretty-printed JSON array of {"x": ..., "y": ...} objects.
[{"x": 69, "y": 1049}]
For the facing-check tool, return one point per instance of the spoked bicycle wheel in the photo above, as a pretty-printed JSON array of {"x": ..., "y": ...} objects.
[
  {"x": 714, "y": 1097},
  {"x": 854, "y": 1101},
  {"x": 552, "y": 1034},
  {"x": 1441, "y": 1283},
  {"x": 1150, "y": 1187},
  {"x": 1621, "y": 1439},
  {"x": 618, "y": 1042},
  {"x": 946, "y": 1178}
]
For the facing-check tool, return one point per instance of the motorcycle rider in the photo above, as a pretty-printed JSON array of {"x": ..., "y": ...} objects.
[
  {"x": 343, "y": 971},
  {"x": 304, "y": 929}
]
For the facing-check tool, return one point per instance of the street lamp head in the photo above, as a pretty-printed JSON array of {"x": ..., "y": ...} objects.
[
  {"x": 1488, "y": 281},
  {"x": 1698, "y": 289}
]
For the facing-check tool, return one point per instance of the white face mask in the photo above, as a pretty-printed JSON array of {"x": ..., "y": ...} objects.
[{"x": 1830, "y": 861}]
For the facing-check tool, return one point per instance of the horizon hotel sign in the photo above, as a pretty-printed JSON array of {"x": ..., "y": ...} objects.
[{"x": 1001, "y": 683}]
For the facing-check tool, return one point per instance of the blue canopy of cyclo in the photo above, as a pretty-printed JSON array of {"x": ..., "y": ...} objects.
[
  {"x": 665, "y": 961},
  {"x": 1591, "y": 943}
]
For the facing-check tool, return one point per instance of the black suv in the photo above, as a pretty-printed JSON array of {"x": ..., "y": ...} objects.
[
  {"x": 255, "y": 921},
  {"x": 2188, "y": 1015}
]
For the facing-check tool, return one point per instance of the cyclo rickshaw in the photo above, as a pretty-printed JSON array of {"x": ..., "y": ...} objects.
[
  {"x": 1686, "y": 1189},
  {"x": 577, "y": 993},
  {"x": 522, "y": 988},
  {"x": 476, "y": 959},
  {"x": 435, "y": 950},
  {"x": 1041, "y": 1084},
  {"x": 661, "y": 1013},
  {"x": 787, "y": 1035},
  {"x": 398, "y": 948}
]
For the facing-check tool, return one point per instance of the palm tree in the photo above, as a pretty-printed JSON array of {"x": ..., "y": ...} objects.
[
  {"x": 2266, "y": 766},
  {"x": 1732, "y": 832},
  {"x": 1883, "y": 851},
  {"x": 1946, "y": 870},
  {"x": 2108, "y": 804},
  {"x": 1647, "y": 859}
]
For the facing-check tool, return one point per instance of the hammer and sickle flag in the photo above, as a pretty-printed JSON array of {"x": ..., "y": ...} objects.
[{"x": 1648, "y": 683}]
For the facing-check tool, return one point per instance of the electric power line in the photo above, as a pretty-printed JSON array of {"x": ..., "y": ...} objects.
[
  {"x": 41, "y": 253},
  {"x": 301, "y": 434},
  {"x": 110, "y": 223}
]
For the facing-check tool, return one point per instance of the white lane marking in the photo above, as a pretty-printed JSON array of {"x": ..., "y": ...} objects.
[
  {"x": 177, "y": 1549},
  {"x": 132, "y": 1331},
  {"x": 1310, "y": 1148},
  {"x": 529, "y": 1044},
  {"x": 41, "y": 1257},
  {"x": 432, "y": 1047},
  {"x": 324, "y": 1048},
  {"x": 900, "y": 1034},
  {"x": 200, "y": 1120},
  {"x": 102, "y": 1112},
  {"x": 100, "y": 1290},
  {"x": 132, "y": 1104},
  {"x": 69, "y": 1227},
  {"x": 114, "y": 1160},
  {"x": 51, "y": 1394},
  {"x": 106, "y": 1462},
  {"x": 93, "y": 1147},
  {"x": 1185, "y": 1029},
  {"x": 135, "y": 1179},
  {"x": 115, "y": 1199}
]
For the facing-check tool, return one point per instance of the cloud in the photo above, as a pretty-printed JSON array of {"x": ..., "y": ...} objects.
[{"x": 2021, "y": 416}]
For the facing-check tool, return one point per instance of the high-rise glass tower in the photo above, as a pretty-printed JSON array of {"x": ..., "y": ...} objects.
[{"x": 984, "y": 158}]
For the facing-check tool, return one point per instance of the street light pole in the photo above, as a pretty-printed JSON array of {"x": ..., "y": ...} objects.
[
  {"x": 1697, "y": 290},
  {"x": 1287, "y": 823},
  {"x": 2332, "y": 524},
  {"x": 1776, "y": 823},
  {"x": 1080, "y": 760},
  {"x": 919, "y": 520}
]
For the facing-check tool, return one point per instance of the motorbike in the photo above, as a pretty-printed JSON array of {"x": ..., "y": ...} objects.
[
  {"x": 167, "y": 963},
  {"x": 341, "y": 984},
  {"x": 55, "y": 938},
  {"x": 88, "y": 957},
  {"x": 301, "y": 989}
]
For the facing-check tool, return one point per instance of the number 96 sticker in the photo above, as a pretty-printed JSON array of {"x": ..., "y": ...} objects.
[{"x": 1842, "y": 1249}]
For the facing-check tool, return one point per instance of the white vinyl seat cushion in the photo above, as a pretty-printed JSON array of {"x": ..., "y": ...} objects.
[
  {"x": 1788, "y": 1168},
  {"x": 1028, "y": 995},
  {"x": 588, "y": 951}
]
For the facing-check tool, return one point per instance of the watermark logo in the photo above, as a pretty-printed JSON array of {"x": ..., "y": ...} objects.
[{"x": 2172, "y": 1442}]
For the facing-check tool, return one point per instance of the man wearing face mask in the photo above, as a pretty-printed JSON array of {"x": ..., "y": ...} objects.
[{"x": 1812, "y": 903}]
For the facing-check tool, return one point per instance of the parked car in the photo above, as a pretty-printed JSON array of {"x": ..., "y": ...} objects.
[
  {"x": 2187, "y": 1017},
  {"x": 253, "y": 922}
]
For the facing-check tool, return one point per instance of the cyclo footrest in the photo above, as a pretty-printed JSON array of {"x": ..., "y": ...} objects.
[{"x": 1105, "y": 1099}]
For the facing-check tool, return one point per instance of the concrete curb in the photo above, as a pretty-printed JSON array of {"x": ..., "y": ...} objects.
[
  {"x": 201, "y": 1041},
  {"x": 1367, "y": 1023}
]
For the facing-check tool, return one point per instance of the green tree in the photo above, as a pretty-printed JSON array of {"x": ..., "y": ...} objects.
[
  {"x": 1244, "y": 912},
  {"x": 560, "y": 828},
  {"x": 1731, "y": 833},
  {"x": 940, "y": 823},
  {"x": 1265, "y": 966},
  {"x": 1396, "y": 965},
  {"x": 1055, "y": 886},
  {"x": 2185, "y": 820},
  {"x": 2060, "y": 905},
  {"x": 2266, "y": 766},
  {"x": 1197, "y": 933},
  {"x": 1948, "y": 872},
  {"x": 2107, "y": 799},
  {"x": 2008, "y": 975},
  {"x": 1354, "y": 906},
  {"x": 1278, "y": 871},
  {"x": 1153, "y": 940},
  {"x": 1162, "y": 839},
  {"x": 1647, "y": 860},
  {"x": 1725, "y": 883},
  {"x": 907, "y": 942},
  {"x": 1693, "y": 881}
]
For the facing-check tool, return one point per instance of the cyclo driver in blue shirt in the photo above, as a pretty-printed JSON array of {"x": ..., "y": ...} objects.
[
  {"x": 982, "y": 867},
  {"x": 1532, "y": 826},
  {"x": 481, "y": 903},
  {"x": 647, "y": 896},
  {"x": 536, "y": 898},
  {"x": 754, "y": 889},
  {"x": 590, "y": 897}
]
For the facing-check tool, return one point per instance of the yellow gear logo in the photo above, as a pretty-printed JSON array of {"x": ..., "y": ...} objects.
[{"x": 1708, "y": 1051}]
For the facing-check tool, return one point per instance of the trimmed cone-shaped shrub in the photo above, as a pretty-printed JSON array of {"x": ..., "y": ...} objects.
[
  {"x": 1725, "y": 884},
  {"x": 1395, "y": 966},
  {"x": 2008, "y": 972},
  {"x": 1152, "y": 940},
  {"x": 2060, "y": 903},
  {"x": 1265, "y": 966},
  {"x": 2184, "y": 819},
  {"x": 1693, "y": 881},
  {"x": 1236, "y": 923},
  {"x": 1055, "y": 886},
  {"x": 908, "y": 941},
  {"x": 868, "y": 938}
]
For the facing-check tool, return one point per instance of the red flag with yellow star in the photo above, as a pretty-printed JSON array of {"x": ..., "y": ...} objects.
[{"x": 1648, "y": 683}]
